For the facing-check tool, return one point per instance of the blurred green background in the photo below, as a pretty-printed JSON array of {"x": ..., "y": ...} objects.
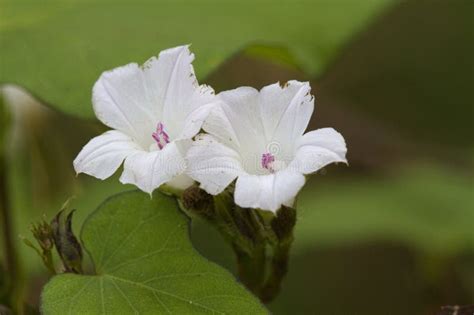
[{"x": 390, "y": 234}]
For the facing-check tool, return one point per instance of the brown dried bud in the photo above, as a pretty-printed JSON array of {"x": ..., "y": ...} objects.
[
  {"x": 67, "y": 245},
  {"x": 43, "y": 235},
  {"x": 283, "y": 224},
  {"x": 198, "y": 201}
]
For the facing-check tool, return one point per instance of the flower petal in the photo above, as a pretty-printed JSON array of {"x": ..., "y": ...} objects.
[
  {"x": 285, "y": 111},
  {"x": 212, "y": 164},
  {"x": 180, "y": 182},
  {"x": 268, "y": 192},
  {"x": 238, "y": 117},
  {"x": 102, "y": 156},
  {"x": 134, "y": 99},
  {"x": 193, "y": 122},
  {"x": 317, "y": 149},
  {"x": 218, "y": 125},
  {"x": 122, "y": 101},
  {"x": 179, "y": 94},
  {"x": 149, "y": 170}
]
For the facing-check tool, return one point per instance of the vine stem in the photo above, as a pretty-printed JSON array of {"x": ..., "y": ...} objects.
[{"x": 11, "y": 258}]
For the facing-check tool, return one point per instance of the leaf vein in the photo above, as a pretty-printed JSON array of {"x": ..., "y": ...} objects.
[
  {"x": 161, "y": 302},
  {"x": 177, "y": 275},
  {"x": 123, "y": 295},
  {"x": 78, "y": 294},
  {"x": 163, "y": 248},
  {"x": 144, "y": 286},
  {"x": 121, "y": 245}
]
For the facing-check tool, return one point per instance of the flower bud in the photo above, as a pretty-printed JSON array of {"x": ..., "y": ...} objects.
[
  {"x": 67, "y": 245},
  {"x": 283, "y": 224},
  {"x": 43, "y": 235},
  {"x": 199, "y": 202}
]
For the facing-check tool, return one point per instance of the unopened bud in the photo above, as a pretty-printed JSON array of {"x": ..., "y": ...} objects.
[
  {"x": 198, "y": 202},
  {"x": 43, "y": 235},
  {"x": 67, "y": 245},
  {"x": 283, "y": 224}
]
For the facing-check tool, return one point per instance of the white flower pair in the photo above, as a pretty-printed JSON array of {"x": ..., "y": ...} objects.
[{"x": 255, "y": 137}]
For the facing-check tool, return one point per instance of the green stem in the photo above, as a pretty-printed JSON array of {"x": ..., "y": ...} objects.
[
  {"x": 282, "y": 227},
  {"x": 278, "y": 270},
  {"x": 249, "y": 232},
  {"x": 251, "y": 267},
  {"x": 11, "y": 261},
  {"x": 48, "y": 261}
]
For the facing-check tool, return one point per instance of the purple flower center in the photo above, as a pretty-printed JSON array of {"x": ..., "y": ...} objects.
[
  {"x": 267, "y": 161},
  {"x": 160, "y": 136}
]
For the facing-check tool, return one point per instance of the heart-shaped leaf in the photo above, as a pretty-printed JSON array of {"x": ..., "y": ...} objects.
[{"x": 145, "y": 263}]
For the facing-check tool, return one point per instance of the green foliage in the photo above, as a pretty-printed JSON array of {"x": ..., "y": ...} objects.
[
  {"x": 58, "y": 50},
  {"x": 145, "y": 263},
  {"x": 415, "y": 77},
  {"x": 426, "y": 206}
]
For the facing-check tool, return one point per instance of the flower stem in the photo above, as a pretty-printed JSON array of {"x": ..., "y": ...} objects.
[
  {"x": 13, "y": 281},
  {"x": 282, "y": 228},
  {"x": 278, "y": 270},
  {"x": 48, "y": 262},
  {"x": 250, "y": 232},
  {"x": 251, "y": 267},
  {"x": 11, "y": 258}
]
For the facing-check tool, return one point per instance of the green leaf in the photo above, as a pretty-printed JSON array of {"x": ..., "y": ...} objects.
[
  {"x": 145, "y": 264},
  {"x": 58, "y": 50}
]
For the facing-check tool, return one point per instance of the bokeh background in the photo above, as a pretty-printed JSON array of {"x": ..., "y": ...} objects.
[{"x": 393, "y": 233}]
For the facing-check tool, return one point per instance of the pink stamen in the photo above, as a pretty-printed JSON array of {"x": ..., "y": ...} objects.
[
  {"x": 267, "y": 161},
  {"x": 160, "y": 136}
]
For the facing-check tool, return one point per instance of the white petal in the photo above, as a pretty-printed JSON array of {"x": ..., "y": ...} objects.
[
  {"x": 239, "y": 116},
  {"x": 218, "y": 125},
  {"x": 212, "y": 164},
  {"x": 179, "y": 93},
  {"x": 122, "y": 101},
  {"x": 102, "y": 156},
  {"x": 149, "y": 170},
  {"x": 192, "y": 123},
  {"x": 268, "y": 192},
  {"x": 317, "y": 149},
  {"x": 285, "y": 112},
  {"x": 134, "y": 99},
  {"x": 180, "y": 182}
]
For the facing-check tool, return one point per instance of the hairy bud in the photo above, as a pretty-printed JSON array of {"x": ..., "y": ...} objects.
[
  {"x": 43, "y": 235},
  {"x": 283, "y": 223},
  {"x": 198, "y": 202},
  {"x": 67, "y": 245}
]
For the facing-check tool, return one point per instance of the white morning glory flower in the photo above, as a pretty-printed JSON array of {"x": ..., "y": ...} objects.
[
  {"x": 257, "y": 137},
  {"x": 154, "y": 110}
]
